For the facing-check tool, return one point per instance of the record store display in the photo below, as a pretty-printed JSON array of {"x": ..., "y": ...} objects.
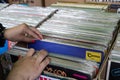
[
  {"x": 17, "y": 14},
  {"x": 76, "y": 39}
]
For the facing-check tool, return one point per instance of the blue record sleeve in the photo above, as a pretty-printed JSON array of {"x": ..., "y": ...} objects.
[{"x": 63, "y": 49}]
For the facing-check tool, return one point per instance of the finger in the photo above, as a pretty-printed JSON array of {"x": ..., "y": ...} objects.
[
  {"x": 44, "y": 63},
  {"x": 41, "y": 55},
  {"x": 32, "y": 33},
  {"x": 37, "y": 32},
  {"x": 30, "y": 52},
  {"x": 27, "y": 39}
]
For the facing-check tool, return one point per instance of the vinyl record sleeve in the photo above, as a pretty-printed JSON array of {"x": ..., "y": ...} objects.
[
  {"x": 69, "y": 50},
  {"x": 113, "y": 71},
  {"x": 29, "y": 15}
]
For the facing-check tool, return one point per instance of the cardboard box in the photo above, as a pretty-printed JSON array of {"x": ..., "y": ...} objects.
[
  {"x": 15, "y": 1},
  {"x": 42, "y": 3}
]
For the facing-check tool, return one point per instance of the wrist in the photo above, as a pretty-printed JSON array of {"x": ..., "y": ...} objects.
[{"x": 15, "y": 76}]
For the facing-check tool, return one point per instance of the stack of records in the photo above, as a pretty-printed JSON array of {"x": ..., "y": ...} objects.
[
  {"x": 113, "y": 70},
  {"x": 71, "y": 36},
  {"x": 82, "y": 28},
  {"x": 80, "y": 69},
  {"x": 17, "y": 14},
  {"x": 93, "y": 26},
  {"x": 77, "y": 33}
]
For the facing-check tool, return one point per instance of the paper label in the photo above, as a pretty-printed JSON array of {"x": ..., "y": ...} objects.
[{"x": 94, "y": 56}]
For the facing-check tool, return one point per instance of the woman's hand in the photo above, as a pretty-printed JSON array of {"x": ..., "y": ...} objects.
[
  {"x": 22, "y": 33},
  {"x": 30, "y": 66}
]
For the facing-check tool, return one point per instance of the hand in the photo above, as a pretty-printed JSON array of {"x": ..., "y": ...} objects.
[
  {"x": 21, "y": 32},
  {"x": 29, "y": 67}
]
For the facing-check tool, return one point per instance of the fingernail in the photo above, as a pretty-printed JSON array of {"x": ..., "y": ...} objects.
[
  {"x": 33, "y": 41},
  {"x": 40, "y": 39}
]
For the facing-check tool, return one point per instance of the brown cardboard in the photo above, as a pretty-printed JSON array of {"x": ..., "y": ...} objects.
[
  {"x": 42, "y": 3},
  {"x": 34, "y": 2},
  {"x": 49, "y": 2},
  {"x": 13, "y": 1}
]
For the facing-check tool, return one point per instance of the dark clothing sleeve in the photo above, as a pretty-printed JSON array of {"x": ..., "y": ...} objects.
[
  {"x": 1, "y": 72},
  {"x": 2, "y": 40},
  {"x": 2, "y": 43},
  {"x": 3, "y": 1}
]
